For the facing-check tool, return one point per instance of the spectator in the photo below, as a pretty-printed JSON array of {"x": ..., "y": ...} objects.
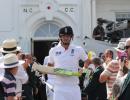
[
  {"x": 125, "y": 90},
  {"x": 29, "y": 88},
  {"x": 121, "y": 57},
  {"x": 51, "y": 78},
  {"x": 108, "y": 56},
  {"x": 109, "y": 76},
  {"x": 8, "y": 81},
  {"x": 96, "y": 90},
  {"x": 10, "y": 46}
]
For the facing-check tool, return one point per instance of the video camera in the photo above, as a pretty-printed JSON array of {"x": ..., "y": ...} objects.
[
  {"x": 114, "y": 30},
  {"x": 116, "y": 26}
]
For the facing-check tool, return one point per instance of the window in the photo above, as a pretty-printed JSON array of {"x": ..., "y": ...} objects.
[
  {"x": 47, "y": 30},
  {"x": 122, "y": 16}
]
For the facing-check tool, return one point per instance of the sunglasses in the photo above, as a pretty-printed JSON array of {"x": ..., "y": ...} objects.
[{"x": 127, "y": 47}]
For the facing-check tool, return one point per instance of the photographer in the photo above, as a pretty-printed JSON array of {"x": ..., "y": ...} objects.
[{"x": 98, "y": 32}]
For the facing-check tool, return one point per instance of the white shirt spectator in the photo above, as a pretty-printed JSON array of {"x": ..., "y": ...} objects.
[
  {"x": 21, "y": 78},
  {"x": 45, "y": 62},
  {"x": 1, "y": 69},
  {"x": 49, "y": 80}
]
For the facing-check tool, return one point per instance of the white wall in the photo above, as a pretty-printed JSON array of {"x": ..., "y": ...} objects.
[
  {"x": 6, "y": 15},
  {"x": 8, "y": 19},
  {"x": 29, "y": 21},
  {"x": 107, "y": 8},
  {"x": 19, "y": 24}
]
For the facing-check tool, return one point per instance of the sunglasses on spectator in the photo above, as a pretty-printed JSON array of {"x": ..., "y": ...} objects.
[{"x": 127, "y": 47}]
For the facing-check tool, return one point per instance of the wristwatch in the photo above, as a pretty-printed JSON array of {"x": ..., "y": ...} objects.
[{"x": 120, "y": 69}]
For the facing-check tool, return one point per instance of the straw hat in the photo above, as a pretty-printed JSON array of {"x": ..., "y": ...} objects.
[
  {"x": 10, "y": 61},
  {"x": 120, "y": 47},
  {"x": 9, "y": 46}
]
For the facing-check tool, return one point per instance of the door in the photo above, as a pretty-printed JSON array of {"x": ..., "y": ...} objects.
[
  {"x": 41, "y": 49},
  {"x": 43, "y": 37}
]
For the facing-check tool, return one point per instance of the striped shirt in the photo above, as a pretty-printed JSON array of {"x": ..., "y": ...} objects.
[
  {"x": 8, "y": 83},
  {"x": 111, "y": 70}
]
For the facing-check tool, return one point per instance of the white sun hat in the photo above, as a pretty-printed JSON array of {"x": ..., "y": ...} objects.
[
  {"x": 120, "y": 47},
  {"x": 9, "y": 46},
  {"x": 10, "y": 61}
]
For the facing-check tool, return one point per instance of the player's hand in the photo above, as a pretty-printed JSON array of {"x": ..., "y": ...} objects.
[
  {"x": 36, "y": 91},
  {"x": 17, "y": 98},
  {"x": 80, "y": 71}
]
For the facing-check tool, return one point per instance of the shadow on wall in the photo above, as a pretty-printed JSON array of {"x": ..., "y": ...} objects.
[{"x": 98, "y": 46}]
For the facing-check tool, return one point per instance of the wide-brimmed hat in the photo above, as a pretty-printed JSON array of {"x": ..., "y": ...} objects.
[
  {"x": 10, "y": 61},
  {"x": 9, "y": 46},
  {"x": 120, "y": 47}
]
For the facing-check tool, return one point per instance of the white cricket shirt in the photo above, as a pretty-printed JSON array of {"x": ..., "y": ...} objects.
[{"x": 67, "y": 59}]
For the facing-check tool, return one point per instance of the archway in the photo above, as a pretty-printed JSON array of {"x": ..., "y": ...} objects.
[{"x": 41, "y": 46}]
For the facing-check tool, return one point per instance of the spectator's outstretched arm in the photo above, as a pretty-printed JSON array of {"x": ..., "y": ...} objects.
[
  {"x": 104, "y": 76},
  {"x": 22, "y": 75}
]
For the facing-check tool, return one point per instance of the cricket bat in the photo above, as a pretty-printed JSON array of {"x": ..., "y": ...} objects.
[
  {"x": 47, "y": 84},
  {"x": 55, "y": 71}
]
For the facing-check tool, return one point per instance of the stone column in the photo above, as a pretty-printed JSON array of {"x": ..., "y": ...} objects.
[
  {"x": 93, "y": 14},
  {"x": 86, "y": 17}
]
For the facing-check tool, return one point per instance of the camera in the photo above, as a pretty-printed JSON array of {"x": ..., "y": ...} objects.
[{"x": 122, "y": 56}]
